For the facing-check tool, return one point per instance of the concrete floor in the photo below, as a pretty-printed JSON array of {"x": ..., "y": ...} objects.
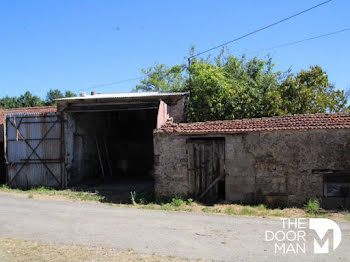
[{"x": 118, "y": 190}]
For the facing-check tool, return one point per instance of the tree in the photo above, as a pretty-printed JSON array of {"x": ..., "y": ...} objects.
[
  {"x": 161, "y": 78},
  {"x": 229, "y": 87},
  {"x": 8, "y": 102},
  {"x": 53, "y": 94},
  {"x": 69, "y": 94},
  {"x": 28, "y": 100},
  {"x": 310, "y": 92}
]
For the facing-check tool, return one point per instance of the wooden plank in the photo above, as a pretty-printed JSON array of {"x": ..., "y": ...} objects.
[
  {"x": 197, "y": 167},
  {"x": 210, "y": 186},
  {"x": 99, "y": 157},
  {"x": 107, "y": 155}
]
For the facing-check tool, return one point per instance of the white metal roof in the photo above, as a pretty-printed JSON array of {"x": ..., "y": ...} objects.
[{"x": 125, "y": 95}]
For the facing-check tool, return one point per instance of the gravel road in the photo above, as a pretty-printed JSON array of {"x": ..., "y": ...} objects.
[{"x": 187, "y": 235}]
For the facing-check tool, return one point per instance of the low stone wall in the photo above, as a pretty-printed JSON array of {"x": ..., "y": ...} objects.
[{"x": 277, "y": 166}]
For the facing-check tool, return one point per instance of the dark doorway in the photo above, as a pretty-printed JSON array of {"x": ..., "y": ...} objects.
[
  {"x": 113, "y": 152},
  {"x": 208, "y": 164}
]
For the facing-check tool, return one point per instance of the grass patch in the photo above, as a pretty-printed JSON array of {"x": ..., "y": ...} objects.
[
  {"x": 146, "y": 200},
  {"x": 66, "y": 194},
  {"x": 211, "y": 210},
  {"x": 347, "y": 215},
  {"x": 248, "y": 211},
  {"x": 230, "y": 211},
  {"x": 27, "y": 251}
]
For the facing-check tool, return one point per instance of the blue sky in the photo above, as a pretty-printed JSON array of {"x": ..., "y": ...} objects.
[{"x": 74, "y": 45}]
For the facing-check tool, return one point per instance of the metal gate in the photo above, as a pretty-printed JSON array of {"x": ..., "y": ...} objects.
[
  {"x": 34, "y": 150},
  {"x": 207, "y": 161}
]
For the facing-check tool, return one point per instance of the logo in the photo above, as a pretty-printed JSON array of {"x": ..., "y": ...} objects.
[
  {"x": 297, "y": 234},
  {"x": 322, "y": 226}
]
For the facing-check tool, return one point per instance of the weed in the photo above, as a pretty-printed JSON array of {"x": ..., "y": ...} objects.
[
  {"x": 166, "y": 207},
  {"x": 211, "y": 210},
  {"x": 189, "y": 201},
  {"x": 230, "y": 211},
  {"x": 248, "y": 211},
  {"x": 261, "y": 207},
  {"x": 5, "y": 187},
  {"x": 206, "y": 210},
  {"x": 30, "y": 196},
  {"x": 176, "y": 202},
  {"x": 133, "y": 197},
  {"x": 276, "y": 214},
  {"x": 313, "y": 207}
]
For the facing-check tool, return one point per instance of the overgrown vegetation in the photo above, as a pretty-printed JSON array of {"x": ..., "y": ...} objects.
[
  {"x": 229, "y": 87},
  {"x": 147, "y": 201}
]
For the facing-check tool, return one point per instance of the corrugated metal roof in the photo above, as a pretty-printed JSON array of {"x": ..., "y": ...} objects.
[{"x": 122, "y": 96}]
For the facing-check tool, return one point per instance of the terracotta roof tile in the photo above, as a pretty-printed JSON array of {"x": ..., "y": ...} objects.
[
  {"x": 39, "y": 109},
  {"x": 288, "y": 122}
]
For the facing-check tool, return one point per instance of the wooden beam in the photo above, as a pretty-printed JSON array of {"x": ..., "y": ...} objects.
[{"x": 210, "y": 186}]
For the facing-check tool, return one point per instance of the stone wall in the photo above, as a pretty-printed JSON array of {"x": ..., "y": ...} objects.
[
  {"x": 177, "y": 111},
  {"x": 273, "y": 166},
  {"x": 170, "y": 166}
]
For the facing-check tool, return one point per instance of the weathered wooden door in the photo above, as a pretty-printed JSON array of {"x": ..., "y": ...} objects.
[
  {"x": 208, "y": 165},
  {"x": 34, "y": 150}
]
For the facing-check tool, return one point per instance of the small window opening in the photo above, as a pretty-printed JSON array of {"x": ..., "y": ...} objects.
[{"x": 337, "y": 185}]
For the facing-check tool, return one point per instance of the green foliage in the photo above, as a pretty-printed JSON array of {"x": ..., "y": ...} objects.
[
  {"x": 261, "y": 207},
  {"x": 248, "y": 211},
  {"x": 229, "y": 87},
  {"x": 161, "y": 78},
  {"x": 56, "y": 94},
  {"x": 176, "y": 202},
  {"x": 29, "y": 100},
  {"x": 230, "y": 211},
  {"x": 311, "y": 92},
  {"x": 211, "y": 210},
  {"x": 313, "y": 207},
  {"x": 189, "y": 201}
]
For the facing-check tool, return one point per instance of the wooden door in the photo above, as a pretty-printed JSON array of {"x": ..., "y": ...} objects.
[{"x": 208, "y": 165}]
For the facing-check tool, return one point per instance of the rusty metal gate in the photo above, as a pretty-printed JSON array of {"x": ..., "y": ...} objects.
[
  {"x": 207, "y": 161},
  {"x": 34, "y": 150}
]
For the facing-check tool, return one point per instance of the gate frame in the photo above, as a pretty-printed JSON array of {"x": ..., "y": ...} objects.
[{"x": 61, "y": 160}]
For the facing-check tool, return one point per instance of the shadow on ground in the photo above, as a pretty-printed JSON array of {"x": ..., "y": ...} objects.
[{"x": 117, "y": 191}]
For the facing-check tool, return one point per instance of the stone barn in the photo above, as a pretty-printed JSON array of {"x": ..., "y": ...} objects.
[
  {"x": 277, "y": 160},
  {"x": 98, "y": 142}
]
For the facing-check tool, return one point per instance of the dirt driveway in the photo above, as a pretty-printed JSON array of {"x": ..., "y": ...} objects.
[{"x": 188, "y": 235}]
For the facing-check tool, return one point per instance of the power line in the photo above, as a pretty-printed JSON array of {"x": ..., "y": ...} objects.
[
  {"x": 109, "y": 84},
  {"x": 301, "y": 41},
  {"x": 236, "y": 39},
  {"x": 266, "y": 49},
  {"x": 119, "y": 82},
  {"x": 260, "y": 29}
]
